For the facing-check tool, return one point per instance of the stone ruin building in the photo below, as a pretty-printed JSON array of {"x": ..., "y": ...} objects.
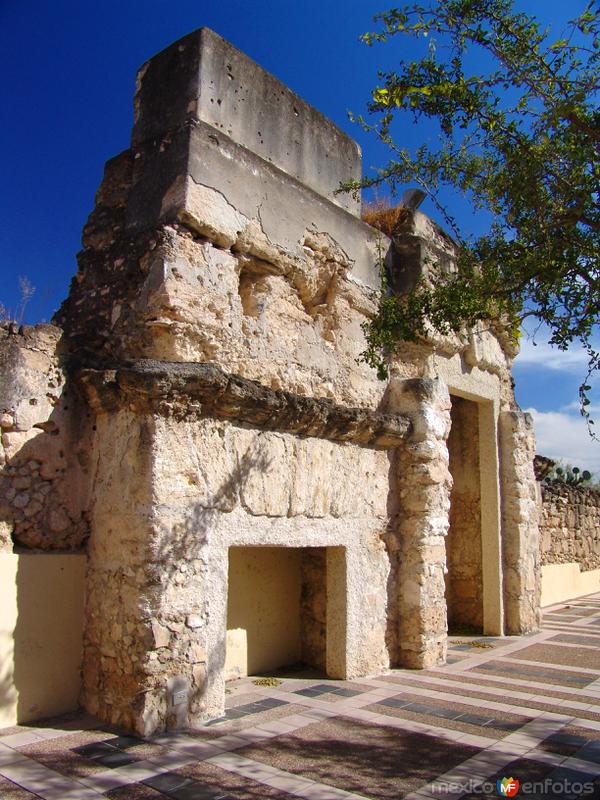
[{"x": 199, "y": 478}]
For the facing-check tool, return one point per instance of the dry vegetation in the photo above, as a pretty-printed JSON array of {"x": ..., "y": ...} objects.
[{"x": 383, "y": 216}]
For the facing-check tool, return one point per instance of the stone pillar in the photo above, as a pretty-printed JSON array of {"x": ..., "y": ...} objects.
[
  {"x": 520, "y": 537},
  {"x": 423, "y": 484},
  {"x": 119, "y": 634}
]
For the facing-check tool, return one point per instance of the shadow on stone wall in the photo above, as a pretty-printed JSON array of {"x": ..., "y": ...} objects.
[
  {"x": 8, "y": 693},
  {"x": 180, "y": 544},
  {"x": 44, "y": 482},
  {"x": 390, "y": 538}
]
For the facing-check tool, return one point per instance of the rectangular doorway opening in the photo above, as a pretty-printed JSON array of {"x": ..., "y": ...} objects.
[
  {"x": 279, "y": 602},
  {"x": 464, "y": 551}
]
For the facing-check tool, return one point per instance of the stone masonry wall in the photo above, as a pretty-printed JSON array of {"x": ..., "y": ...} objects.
[
  {"x": 464, "y": 580},
  {"x": 215, "y": 328},
  {"x": 196, "y": 486},
  {"x": 45, "y": 448},
  {"x": 570, "y": 525},
  {"x": 520, "y": 538}
]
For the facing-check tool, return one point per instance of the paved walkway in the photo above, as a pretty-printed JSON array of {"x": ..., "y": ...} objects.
[{"x": 522, "y": 708}]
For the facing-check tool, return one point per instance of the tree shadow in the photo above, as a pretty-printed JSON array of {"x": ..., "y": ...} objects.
[
  {"x": 186, "y": 541},
  {"x": 375, "y": 760},
  {"x": 8, "y": 692}
]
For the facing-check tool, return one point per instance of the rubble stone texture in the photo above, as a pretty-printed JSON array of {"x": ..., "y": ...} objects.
[
  {"x": 205, "y": 391},
  {"x": 570, "y": 525},
  {"x": 45, "y": 446},
  {"x": 520, "y": 524},
  {"x": 464, "y": 578}
]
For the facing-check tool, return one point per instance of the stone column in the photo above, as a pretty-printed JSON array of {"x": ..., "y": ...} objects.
[
  {"x": 119, "y": 633},
  {"x": 423, "y": 485},
  {"x": 520, "y": 537}
]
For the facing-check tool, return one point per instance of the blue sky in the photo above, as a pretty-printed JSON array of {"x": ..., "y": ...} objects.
[{"x": 68, "y": 69}]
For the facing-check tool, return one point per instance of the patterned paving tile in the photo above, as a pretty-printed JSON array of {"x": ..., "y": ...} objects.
[
  {"x": 135, "y": 791},
  {"x": 563, "y": 743},
  {"x": 236, "y": 725},
  {"x": 523, "y": 769},
  {"x": 10, "y": 791},
  {"x": 467, "y": 724},
  {"x": 570, "y": 638},
  {"x": 234, "y": 785},
  {"x": 63, "y": 754},
  {"x": 375, "y": 761},
  {"x": 472, "y": 681},
  {"x": 566, "y": 656},
  {"x": 498, "y": 693},
  {"x": 538, "y": 674},
  {"x": 396, "y": 742}
]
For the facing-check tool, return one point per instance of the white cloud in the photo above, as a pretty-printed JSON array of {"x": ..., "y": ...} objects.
[
  {"x": 593, "y": 409},
  {"x": 565, "y": 436},
  {"x": 544, "y": 356}
]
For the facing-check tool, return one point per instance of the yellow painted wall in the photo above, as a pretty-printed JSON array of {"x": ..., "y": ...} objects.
[
  {"x": 41, "y": 628},
  {"x": 263, "y": 610},
  {"x": 561, "y": 582}
]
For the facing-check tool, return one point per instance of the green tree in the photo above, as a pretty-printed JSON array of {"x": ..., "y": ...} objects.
[{"x": 519, "y": 135}]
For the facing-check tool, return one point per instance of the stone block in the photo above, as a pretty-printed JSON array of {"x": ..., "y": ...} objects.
[{"x": 204, "y": 78}]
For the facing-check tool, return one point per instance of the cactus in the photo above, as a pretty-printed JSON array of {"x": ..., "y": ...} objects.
[{"x": 572, "y": 476}]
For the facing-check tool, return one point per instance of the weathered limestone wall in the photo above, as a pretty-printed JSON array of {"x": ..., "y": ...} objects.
[
  {"x": 200, "y": 222},
  {"x": 464, "y": 578},
  {"x": 205, "y": 79},
  {"x": 421, "y": 482},
  {"x": 197, "y": 488},
  {"x": 570, "y": 525},
  {"x": 214, "y": 328},
  {"x": 521, "y": 555},
  {"x": 44, "y": 452},
  {"x": 119, "y": 630},
  {"x": 313, "y": 610},
  {"x": 290, "y": 320}
]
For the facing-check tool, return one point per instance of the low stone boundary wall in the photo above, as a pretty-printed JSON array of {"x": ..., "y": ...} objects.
[
  {"x": 41, "y": 628},
  {"x": 569, "y": 542}
]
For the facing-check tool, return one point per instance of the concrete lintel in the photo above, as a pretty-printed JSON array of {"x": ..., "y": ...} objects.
[
  {"x": 203, "y": 77},
  {"x": 250, "y": 189}
]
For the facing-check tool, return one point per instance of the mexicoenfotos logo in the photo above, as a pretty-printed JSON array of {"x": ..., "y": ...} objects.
[
  {"x": 507, "y": 787},
  {"x": 510, "y": 787}
]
